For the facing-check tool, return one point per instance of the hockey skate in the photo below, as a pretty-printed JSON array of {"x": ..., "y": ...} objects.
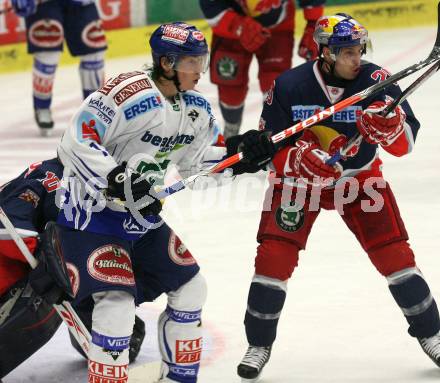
[
  {"x": 43, "y": 117},
  {"x": 252, "y": 364},
  {"x": 431, "y": 346}
]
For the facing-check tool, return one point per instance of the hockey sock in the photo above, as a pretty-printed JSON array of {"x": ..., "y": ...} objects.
[
  {"x": 43, "y": 73},
  {"x": 112, "y": 324},
  {"x": 91, "y": 72},
  {"x": 232, "y": 116},
  {"x": 265, "y": 302},
  {"x": 180, "y": 331},
  {"x": 412, "y": 294}
]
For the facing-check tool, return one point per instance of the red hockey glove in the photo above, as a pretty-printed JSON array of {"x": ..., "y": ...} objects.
[
  {"x": 251, "y": 33},
  {"x": 307, "y": 161},
  {"x": 377, "y": 129},
  {"x": 308, "y": 49}
]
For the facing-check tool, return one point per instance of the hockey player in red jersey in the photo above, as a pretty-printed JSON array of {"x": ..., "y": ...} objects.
[
  {"x": 244, "y": 28},
  {"x": 48, "y": 24},
  {"x": 302, "y": 165}
]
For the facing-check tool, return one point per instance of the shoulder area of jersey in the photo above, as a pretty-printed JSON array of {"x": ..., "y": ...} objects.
[
  {"x": 126, "y": 86},
  {"x": 193, "y": 98},
  {"x": 299, "y": 74},
  {"x": 37, "y": 169},
  {"x": 373, "y": 72}
]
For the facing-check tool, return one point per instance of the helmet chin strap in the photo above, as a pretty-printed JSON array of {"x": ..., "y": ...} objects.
[{"x": 174, "y": 78}]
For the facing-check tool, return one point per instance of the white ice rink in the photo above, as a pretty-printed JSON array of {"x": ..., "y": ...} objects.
[{"x": 340, "y": 323}]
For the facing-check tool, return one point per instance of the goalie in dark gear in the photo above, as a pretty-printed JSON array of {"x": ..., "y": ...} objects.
[{"x": 27, "y": 317}]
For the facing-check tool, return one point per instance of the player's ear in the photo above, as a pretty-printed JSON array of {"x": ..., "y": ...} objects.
[
  {"x": 326, "y": 53},
  {"x": 166, "y": 64}
]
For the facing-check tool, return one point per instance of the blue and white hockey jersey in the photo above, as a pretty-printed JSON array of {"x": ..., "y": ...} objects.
[{"x": 129, "y": 119}]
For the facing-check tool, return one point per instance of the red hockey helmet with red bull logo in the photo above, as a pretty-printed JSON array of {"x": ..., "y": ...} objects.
[
  {"x": 177, "y": 40},
  {"x": 339, "y": 31}
]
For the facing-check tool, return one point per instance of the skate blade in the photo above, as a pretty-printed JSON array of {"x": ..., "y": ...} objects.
[
  {"x": 254, "y": 380},
  {"x": 46, "y": 132}
]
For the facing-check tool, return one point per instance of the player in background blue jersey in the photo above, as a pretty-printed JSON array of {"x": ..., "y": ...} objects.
[
  {"x": 48, "y": 24},
  {"x": 371, "y": 212},
  {"x": 263, "y": 29}
]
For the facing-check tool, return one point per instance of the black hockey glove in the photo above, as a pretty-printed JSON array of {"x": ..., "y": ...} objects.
[
  {"x": 143, "y": 197},
  {"x": 257, "y": 148},
  {"x": 50, "y": 278}
]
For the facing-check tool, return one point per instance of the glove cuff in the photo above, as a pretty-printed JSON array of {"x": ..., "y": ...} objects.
[{"x": 313, "y": 13}]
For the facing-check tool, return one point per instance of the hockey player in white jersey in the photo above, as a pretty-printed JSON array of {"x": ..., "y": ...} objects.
[{"x": 156, "y": 116}]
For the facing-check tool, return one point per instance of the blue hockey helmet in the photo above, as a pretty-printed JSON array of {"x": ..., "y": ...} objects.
[
  {"x": 340, "y": 31},
  {"x": 177, "y": 40}
]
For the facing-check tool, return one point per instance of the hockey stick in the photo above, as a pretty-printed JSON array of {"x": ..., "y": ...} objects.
[
  {"x": 65, "y": 309},
  {"x": 317, "y": 117},
  {"x": 357, "y": 138}
]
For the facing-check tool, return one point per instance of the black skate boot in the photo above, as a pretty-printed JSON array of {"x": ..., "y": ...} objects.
[
  {"x": 43, "y": 117},
  {"x": 431, "y": 346},
  {"x": 253, "y": 362}
]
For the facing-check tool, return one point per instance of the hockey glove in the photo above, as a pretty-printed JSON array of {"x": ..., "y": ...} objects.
[
  {"x": 377, "y": 129},
  {"x": 257, "y": 149},
  {"x": 24, "y": 8},
  {"x": 307, "y": 161},
  {"x": 251, "y": 34},
  {"x": 308, "y": 49},
  {"x": 133, "y": 189},
  {"x": 50, "y": 278}
]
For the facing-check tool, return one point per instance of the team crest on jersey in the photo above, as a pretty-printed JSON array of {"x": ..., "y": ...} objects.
[
  {"x": 289, "y": 217},
  {"x": 93, "y": 35},
  {"x": 89, "y": 132},
  {"x": 178, "y": 252},
  {"x": 30, "y": 196},
  {"x": 227, "y": 68},
  {"x": 111, "y": 264},
  {"x": 193, "y": 115},
  {"x": 73, "y": 273}
]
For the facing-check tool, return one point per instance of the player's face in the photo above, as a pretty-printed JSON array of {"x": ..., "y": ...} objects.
[
  {"x": 348, "y": 62},
  {"x": 188, "y": 81}
]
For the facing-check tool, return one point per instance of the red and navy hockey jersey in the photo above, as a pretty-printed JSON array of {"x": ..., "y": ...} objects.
[
  {"x": 300, "y": 92},
  {"x": 273, "y": 14}
]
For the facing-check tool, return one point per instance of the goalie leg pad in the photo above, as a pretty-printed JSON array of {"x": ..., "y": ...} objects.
[
  {"x": 30, "y": 324},
  {"x": 412, "y": 294},
  {"x": 265, "y": 303},
  {"x": 50, "y": 278},
  {"x": 180, "y": 332},
  {"x": 91, "y": 71},
  {"x": 112, "y": 325}
]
